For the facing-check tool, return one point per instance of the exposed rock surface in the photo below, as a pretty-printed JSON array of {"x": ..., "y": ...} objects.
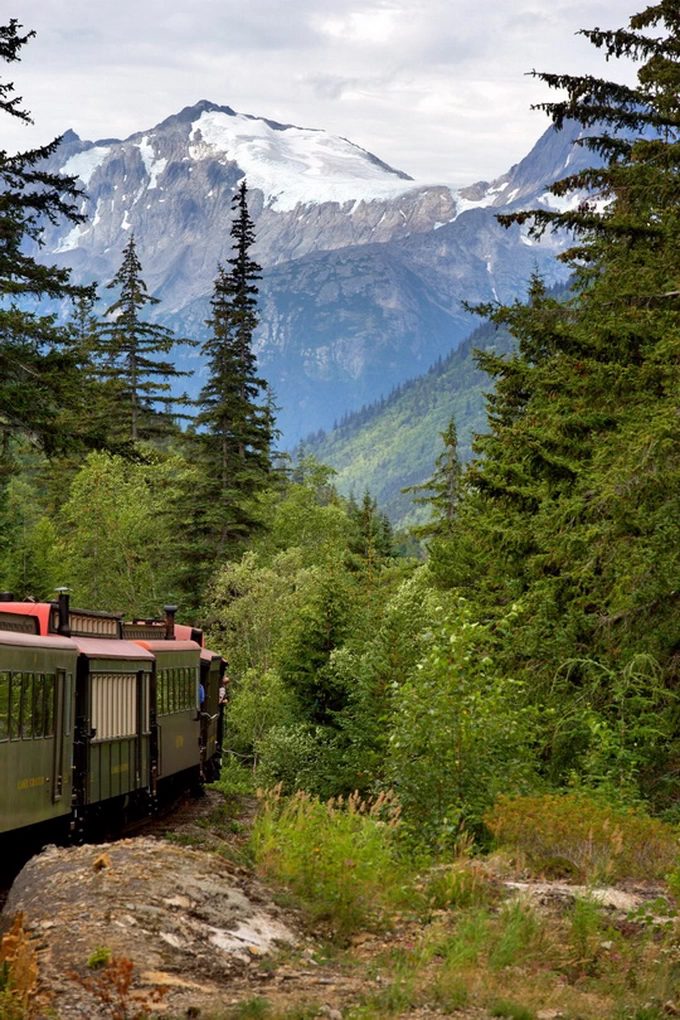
[{"x": 188, "y": 925}]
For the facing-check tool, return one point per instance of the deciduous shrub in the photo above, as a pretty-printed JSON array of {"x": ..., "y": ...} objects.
[
  {"x": 18, "y": 972},
  {"x": 338, "y": 857},
  {"x": 585, "y": 835},
  {"x": 461, "y": 732},
  {"x": 111, "y": 987}
]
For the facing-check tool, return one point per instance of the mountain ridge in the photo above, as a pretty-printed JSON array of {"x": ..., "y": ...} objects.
[{"x": 364, "y": 268}]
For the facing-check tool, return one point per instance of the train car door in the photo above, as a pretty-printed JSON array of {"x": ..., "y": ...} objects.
[{"x": 60, "y": 750}]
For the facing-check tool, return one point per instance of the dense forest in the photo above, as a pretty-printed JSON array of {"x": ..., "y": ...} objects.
[{"x": 535, "y": 646}]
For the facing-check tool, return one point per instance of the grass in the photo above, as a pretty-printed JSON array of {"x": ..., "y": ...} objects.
[
  {"x": 339, "y": 859},
  {"x": 454, "y": 940},
  {"x": 514, "y": 960},
  {"x": 260, "y": 1008},
  {"x": 584, "y": 837}
]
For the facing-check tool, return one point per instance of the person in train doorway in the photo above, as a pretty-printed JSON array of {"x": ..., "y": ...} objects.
[{"x": 201, "y": 695}]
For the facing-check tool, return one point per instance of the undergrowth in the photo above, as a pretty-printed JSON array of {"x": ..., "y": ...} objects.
[
  {"x": 339, "y": 858},
  {"x": 18, "y": 972},
  {"x": 583, "y": 836}
]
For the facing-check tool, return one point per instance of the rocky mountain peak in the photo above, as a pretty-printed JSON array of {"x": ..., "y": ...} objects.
[{"x": 365, "y": 269}]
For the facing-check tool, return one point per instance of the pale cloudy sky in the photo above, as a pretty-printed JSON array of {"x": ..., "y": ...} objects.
[{"x": 437, "y": 88}]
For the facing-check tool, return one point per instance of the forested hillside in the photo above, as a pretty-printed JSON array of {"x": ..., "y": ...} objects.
[{"x": 393, "y": 443}]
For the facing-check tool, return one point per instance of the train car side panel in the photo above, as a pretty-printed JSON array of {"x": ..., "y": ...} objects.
[
  {"x": 114, "y": 719},
  {"x": 36, "y": 729},
  {"x": 178, "y": 724}
]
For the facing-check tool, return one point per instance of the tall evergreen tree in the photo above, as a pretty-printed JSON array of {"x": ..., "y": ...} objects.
[
  {"x": 38, "y": 370},
  {"x": 127, "y": 353},
  {"x": 443, "y": 489},
  {"x": 573, "y": 507},
  {"x": 235, "y": 425}
]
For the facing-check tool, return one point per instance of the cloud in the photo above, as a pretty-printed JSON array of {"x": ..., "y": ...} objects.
[{"x": 434, "y": 87}]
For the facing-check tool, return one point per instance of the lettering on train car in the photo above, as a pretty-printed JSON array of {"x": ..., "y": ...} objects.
[
  {"x": 179, "y": 741},
  {"x": 117, "y": 769},
  {"x": 29, "y": 784}
]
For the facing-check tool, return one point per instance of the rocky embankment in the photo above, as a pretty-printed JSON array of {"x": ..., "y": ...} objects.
[{"x": 192, "y": 930}]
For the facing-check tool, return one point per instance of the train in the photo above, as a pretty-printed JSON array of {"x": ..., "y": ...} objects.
[{"x": 101, "y": 719}]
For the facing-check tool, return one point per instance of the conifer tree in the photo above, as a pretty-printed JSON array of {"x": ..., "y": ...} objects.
[
  {"x": 127, "y": 353},
  {"x": 38, "y": 371},
  {"x": 235, "y": 425},
  {"x": 573, "y": 506},
  {"x": 443, "y": 488}
]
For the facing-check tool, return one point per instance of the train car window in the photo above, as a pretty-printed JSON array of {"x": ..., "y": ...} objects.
[
  {"x": 4, "y": 705},
  {"x": 176, "y": 690},
  {"x": 114, "y": 705},
  {"x": 38, "y": 706},
  {"x": 48, "y": 729},
  {"x": 26, "y": 705},
  {"x": 183, "y": 687},
  {"x": 173, "y": 691},
  {"x": 15, "y": 707}
]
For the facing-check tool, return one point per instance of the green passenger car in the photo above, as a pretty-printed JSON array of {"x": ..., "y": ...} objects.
[
  {"x": 177, "y": 709},
  {"x": 37, "y": 712},
  {"x": 212, "y": 670},
  {"x": 113, "y": 712}
]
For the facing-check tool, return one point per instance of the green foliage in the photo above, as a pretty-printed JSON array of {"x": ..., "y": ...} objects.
[
  {"x": 585, "y": 933},
  {"x": 257, "y": 703},
  {"x": 251, "y": 1009},
  {"x": 235, "y": 780},
  {"x": 444, "y": 488},
  {"x": 513, "y": 1010},
  {"x": 585, "y": 834},
  {"x": 39, "y": 370},
  {"x": 11, "y": 1006},
  {"x": 126, "y": 354},
  {"x": 30, "y": 564},
  {"x": 292, "y": 756},
  {"x": 461, "y": 733},
  {"x": 117, "y": 532},
  {"x": 292, "y": 617},
  {"x": 339, "y": 858},
  {"x": 610, "y": 727},
  {"x": 234, "y": 427},
  {"x": 99, "y": 958},
  {"x": 457, "y": 885}
]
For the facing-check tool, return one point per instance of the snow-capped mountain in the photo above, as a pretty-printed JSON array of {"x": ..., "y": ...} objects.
[{"x": 364, "y": 268}]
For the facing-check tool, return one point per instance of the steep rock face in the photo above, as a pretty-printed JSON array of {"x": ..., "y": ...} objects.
[
  {"x": 173, "y": 186},
  {"x": 364, "y": 268}
]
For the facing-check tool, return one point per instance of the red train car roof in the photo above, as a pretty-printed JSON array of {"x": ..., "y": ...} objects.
[
  {"x": 111, "y": 648},
  {"x": 39, "y": 609},
  {"x": 185, "y": 633},
  {"x": 160, "y": 646},
  {"x": 208, "y": 656}
]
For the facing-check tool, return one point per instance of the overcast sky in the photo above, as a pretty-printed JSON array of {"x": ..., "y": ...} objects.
[{"x": 434, "y": 87}]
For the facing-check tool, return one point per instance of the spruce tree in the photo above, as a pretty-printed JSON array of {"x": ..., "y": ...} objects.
[
  {"x": 443, "y": 489},
  {"x": 573, "y": 506},
  {"x": 38, "y": 371},
  {"x": 127, "y": 352},
  {"x": 235, "y": 425}
]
